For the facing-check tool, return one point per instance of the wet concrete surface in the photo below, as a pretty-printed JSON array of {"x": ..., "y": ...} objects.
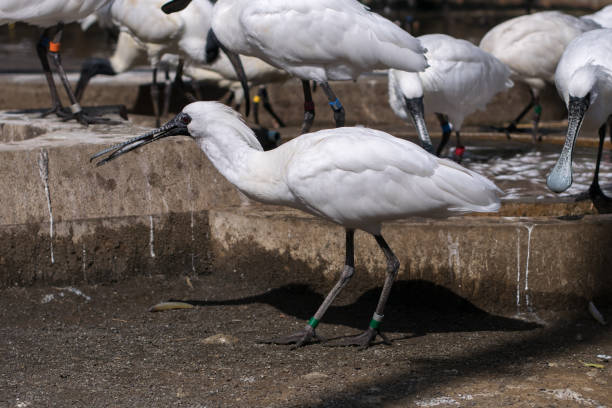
[{"x": 98, "y": 346}]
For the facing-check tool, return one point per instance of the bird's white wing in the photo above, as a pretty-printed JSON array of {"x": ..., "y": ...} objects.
[
  {"x": 462, "y": 78},
  {"x": 329, "y": 32},
  {"x": 146, "y": 21},
  {"x": 531, "y": 45},
  {"x": 47, "y": 12},
  {"x": 361, "y": 177}
]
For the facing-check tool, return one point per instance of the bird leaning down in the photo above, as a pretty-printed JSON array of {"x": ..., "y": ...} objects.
[
  {"x": 461, "y": 79},
  {"x": 52, "y": 15},
  {"x": 144, "y": 28},
  {"x": 531, "y": 45},
  {"x": 584, "y": 80},
  {"x": 355, "y": 177},
  {"x": 318, "y": 40}
]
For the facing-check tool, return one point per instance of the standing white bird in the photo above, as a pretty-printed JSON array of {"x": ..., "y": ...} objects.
[
  {"x": 531, "y": 45},
  {"x": 584, "y": 80},
  {"x": 602, "y": 17},
  {"x": 354, "y": 177},
  {"x": 52, "y": 15},
  {"x": 319, "y": 40},
  {"x": 460, "y": 80},
  {"x": 147, "y": 28}
]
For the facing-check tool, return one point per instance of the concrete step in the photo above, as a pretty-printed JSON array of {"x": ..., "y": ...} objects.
[
  {"x": 537, "y": 267},
  {"x": 167, "y": 176}
]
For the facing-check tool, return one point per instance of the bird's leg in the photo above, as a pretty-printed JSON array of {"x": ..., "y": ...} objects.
[
  {"x": 155, "y": 97},
  {"x": 256, "y": 102},
  {"x": 309, "y": 108},
  {"x": 446, "y": 131},
  {"x": 41, "y": 49},
  {"x": 365, "y": 339},
  {"x": 180, "y": 85},
  {"x": 335, "y": 104},
  {"x": 512, "y": 126},
  {"x": 459, "y": 148},
  {"x": 263, "y": 94},
  {"x": 75, "y": 107},
  {"x": 536, "y": 120},
  {"x": 167, "y": 90},
  {"x": 600, "y": 200},
  {"x": 304, "y": 336}
]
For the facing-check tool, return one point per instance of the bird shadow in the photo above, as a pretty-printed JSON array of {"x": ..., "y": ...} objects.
[{"x": 415, "y": 306}]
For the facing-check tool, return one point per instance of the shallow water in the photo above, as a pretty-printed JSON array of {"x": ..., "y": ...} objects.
[{"x": 520, "y": 170}]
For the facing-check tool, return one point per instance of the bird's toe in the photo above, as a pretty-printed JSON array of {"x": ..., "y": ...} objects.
[
  {"x": 363, "y": 340},
  {"x": 299, "y": 338}
]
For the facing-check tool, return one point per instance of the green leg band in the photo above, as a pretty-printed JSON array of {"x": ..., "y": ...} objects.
[
  {"x": 374, "y": 324},
  {"x": 538, "y": 109},
  {"x": 313, "y": 322}
]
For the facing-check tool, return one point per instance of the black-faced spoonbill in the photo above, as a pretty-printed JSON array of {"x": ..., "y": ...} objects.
[
  {"x": 460, "y": 80},
  {"x": 584, "y": 80},
  {"x": 319, "y": 40},
  {"x": 52, "y": 15},
  {"x": 355, "y": 177},
  {"x": 531, "y": 45},
  {"x": 146, "y": 29}
]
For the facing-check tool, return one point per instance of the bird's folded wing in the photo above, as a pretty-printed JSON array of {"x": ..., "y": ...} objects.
[
  {"x": 335, "y": 31},
  {"x": 359, "y": 174}
]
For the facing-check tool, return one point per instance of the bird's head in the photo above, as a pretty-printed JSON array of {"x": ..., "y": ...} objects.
[{"x": 202, "y": 121}]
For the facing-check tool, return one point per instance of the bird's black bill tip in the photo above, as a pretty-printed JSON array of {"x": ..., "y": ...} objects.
[
  {"x": 175, "y": 127},
  {"x": 174, "y": 6}
]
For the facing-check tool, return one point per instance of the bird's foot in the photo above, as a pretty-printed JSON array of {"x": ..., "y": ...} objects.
[
  {"x": 602, "y": 202},
  {"x": 363, "y": 341},
  {"x": 299, "y": 338},
  {"x": 56, "y": 110},
  {"x": 86, "y": 119},
  {"x": 511, "y": 128}
]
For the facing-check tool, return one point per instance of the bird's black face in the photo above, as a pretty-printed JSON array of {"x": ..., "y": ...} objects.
[
  {"x": 174, "y": 6},
  {"x": 178, "y": 126}
]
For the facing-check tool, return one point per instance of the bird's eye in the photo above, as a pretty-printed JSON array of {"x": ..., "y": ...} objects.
[{"x": 186, "y": 119}]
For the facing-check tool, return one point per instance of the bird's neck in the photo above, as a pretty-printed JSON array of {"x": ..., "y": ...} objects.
[{"x": 237, "y": 155}]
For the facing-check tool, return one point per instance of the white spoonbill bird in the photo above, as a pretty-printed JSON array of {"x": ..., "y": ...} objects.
[
  {"x": 183, "y": 33},
  {"x": 460, "y": 80},
  {"x": 319, "y": 40},
  {"x": 584, "y": 80},
  {"x": 531, "y": 45},
  {"x": 52, "y": 15},
  {"x": 355, "y": 177},
  {"x": 602, "y": 17}
]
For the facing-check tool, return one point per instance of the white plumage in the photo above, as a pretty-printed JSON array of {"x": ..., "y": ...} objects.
[
  {"x": 584, "y": 81},
  {"x": 46, "y": 13},
  {"x": 461, "y": 79},
  {"x": 602, "y": 17},
  {"x": 321, "y": 40},
  {"x": 355, "y": 177},
  {"x": 145, "y": 28},
  {"x": 531, "y": 46}
]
